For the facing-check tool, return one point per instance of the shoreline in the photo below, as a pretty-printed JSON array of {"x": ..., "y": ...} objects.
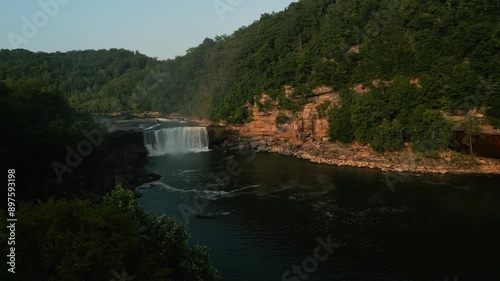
[
  {"x": 355, "y": 155},
  {"x": 321, "y": 151}
]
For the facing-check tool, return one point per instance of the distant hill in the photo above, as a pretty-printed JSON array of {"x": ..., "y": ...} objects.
[{"x": 94, "y": 81}]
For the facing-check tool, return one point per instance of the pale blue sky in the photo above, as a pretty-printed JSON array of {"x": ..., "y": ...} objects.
[{"x": 158, "y": 28}]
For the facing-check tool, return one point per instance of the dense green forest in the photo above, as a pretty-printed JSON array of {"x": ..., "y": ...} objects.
[{"x": 451, "y": 47}]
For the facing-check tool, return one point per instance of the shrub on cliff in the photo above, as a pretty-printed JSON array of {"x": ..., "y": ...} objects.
[
  {"x": 286, "y": 103},
  {"x": 282, "y": 118},
  {"x": 323, "y": 109}
]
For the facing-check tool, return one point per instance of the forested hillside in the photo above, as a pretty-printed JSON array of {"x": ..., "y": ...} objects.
[
  {"x": 449, "y": 47},
  {"x": 93, "y": 81}
]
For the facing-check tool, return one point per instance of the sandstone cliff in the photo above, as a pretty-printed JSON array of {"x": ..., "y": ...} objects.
[
  {"x": 305, "y": 124},
  {"x": 305, "y": 136}
]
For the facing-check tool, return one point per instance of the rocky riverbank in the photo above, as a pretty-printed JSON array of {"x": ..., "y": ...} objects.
[
  {"x": 304, "y": 135},
  {"x": 354, "y": 155}
]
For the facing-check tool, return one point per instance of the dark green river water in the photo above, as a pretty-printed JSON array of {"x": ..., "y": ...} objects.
[{"x": 275, "y": 213}]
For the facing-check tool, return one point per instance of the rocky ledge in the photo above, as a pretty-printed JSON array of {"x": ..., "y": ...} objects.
[{"x": 354, "y": 155}]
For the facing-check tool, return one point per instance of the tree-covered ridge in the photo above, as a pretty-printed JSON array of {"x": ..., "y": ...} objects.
[
  {"x": 93, "y": 81},
  {"x": 451, "y": 47}
]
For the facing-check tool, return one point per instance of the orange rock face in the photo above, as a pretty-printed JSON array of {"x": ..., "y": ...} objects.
[
  {"x": 303, "y": 136},
  {"x": 416, "y": 82},
  {"x": 302, "y": 125}
]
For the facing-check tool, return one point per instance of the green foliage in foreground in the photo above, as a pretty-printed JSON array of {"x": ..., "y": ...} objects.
[
  {"x": 39, "y": 124},
  {"x": 80, "y": 240}
]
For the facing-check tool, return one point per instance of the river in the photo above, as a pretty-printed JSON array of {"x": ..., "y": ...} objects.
[{"x": 274, "y": 213}]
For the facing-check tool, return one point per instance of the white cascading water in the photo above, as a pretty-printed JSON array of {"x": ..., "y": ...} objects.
[{"x": 177, "y": 140}]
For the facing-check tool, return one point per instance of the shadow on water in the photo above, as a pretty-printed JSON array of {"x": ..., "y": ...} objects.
[{"x": 270, "y": 215}]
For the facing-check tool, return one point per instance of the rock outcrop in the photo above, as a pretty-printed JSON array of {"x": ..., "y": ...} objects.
[
  {"x": 216, "y": 135},
  {"x": 354, "y": 155},
  {"x": 305, "y": 136},
  {"x": 308, "y": 123}
]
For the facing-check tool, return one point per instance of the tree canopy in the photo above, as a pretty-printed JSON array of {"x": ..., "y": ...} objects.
[{"x": 80, "y": 240}]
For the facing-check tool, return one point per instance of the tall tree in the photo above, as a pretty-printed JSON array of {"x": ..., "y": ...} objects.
[{"x": 471, "y": 127}]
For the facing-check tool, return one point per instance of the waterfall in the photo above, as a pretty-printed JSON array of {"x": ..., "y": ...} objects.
[{"x": 177, "y": 140}]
